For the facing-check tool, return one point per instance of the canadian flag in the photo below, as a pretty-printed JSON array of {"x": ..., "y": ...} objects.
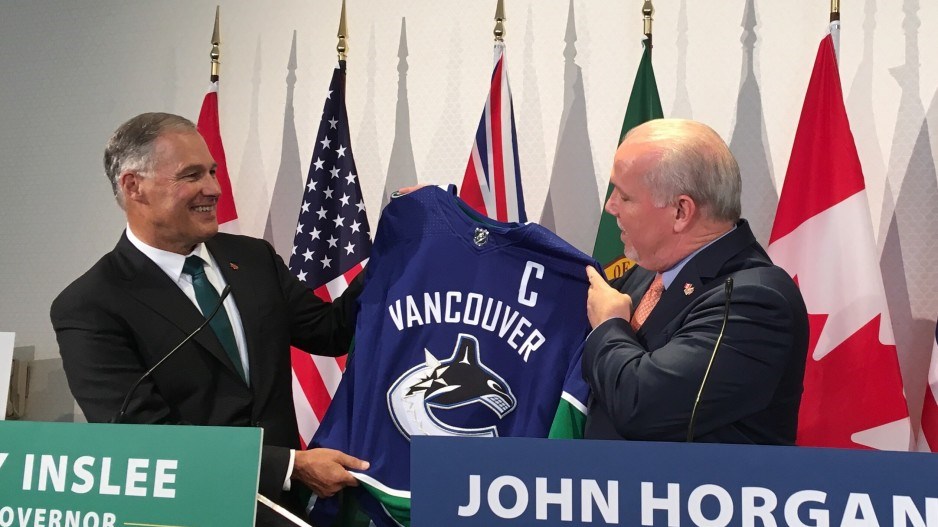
[
  {"x": 823, "y": 237},
  {"x": 928, "y": 439},
  {"x": 208, "y": 127}
]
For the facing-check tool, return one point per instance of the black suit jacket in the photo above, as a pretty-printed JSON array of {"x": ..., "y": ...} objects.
[
  {"x": 124, "y": 314},
  {"x": 644, "y": 384}
]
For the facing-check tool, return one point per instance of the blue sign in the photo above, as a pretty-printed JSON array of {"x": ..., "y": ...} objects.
[{"x": 542, "y": 482}]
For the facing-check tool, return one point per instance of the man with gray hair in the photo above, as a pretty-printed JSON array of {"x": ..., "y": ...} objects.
[
  {"x": 159, "y": 283},
  {"x": 676, "y": 199}
]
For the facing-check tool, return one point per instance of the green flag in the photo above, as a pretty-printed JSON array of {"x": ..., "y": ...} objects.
[{"x": 644, "y": 105}]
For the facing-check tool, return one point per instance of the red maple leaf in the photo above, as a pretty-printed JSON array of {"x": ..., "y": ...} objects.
[{"x": 856, "y": 386}]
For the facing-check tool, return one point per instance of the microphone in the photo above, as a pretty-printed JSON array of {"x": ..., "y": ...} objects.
[
  {"x": 119, "y": 417},
  {"x": 713, "y": 354}
]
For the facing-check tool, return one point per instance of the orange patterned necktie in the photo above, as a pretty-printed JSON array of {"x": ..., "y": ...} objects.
[{"x": 648, "y": 302}]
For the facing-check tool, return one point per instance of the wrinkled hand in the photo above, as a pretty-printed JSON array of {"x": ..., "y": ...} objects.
[
  {"x": 325, "y": 470},
  {"x": 603, "y": 302}
]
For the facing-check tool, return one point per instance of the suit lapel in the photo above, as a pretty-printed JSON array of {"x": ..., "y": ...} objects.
[
  {"x": 683, "y": 290},
  {"x": 695, "y": 278},
  {"x": 150, "y": 286},
  {"x": 243, "y": 291}
]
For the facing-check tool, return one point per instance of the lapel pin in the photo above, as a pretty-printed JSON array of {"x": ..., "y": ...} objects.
[
  {"x": 234, "y": 266},
  {"x": 688, "y": 289}
]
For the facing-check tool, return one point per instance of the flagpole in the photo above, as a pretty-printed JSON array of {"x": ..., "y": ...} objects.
[
  {"x": 216, "y": 53},
  {"x": 648, "y": 10},
  {"x": 342, "y": 46},
  {"x": 210, "y": 129},
  {"x": 835, "y": 28},
  {"x": 500, "y": 21}
]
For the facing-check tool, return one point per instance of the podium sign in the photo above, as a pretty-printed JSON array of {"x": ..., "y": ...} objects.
[
  {"x": 101, "y": 475},
  {"x": 513, "y": 481}
]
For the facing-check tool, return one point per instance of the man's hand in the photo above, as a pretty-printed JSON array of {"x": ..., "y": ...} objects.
[
  {"x": 324, "y": 470},
  {"x": 406, "y": 190},
  {"x": 603, "y": 302}
]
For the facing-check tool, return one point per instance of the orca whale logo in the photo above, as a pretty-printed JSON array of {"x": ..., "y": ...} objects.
[{"x": 458, "y": 381}]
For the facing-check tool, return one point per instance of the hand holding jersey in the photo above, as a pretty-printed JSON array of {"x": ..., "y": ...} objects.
[
  {"x": 325, "y": 470},
  {"x": 603, "y": 302}
]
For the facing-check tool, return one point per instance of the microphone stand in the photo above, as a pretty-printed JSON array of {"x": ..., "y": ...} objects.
[
  {"x": 119, "y": 417},
  {"x": 713, "y": 354}
]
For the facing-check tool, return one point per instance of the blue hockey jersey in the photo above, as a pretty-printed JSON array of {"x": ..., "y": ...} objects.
[{"x": 467, "y": 327}]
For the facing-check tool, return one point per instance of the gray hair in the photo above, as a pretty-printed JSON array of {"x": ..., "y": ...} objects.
[
  {"x": 131, "y": 146},
  {"x": 694, "y": 160}
]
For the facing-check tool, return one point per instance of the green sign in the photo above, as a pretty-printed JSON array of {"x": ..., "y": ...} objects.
[{"x": 100, "y": 475}]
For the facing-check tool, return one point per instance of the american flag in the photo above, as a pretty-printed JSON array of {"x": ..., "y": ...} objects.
[
  {"x": 492, "y": 183},
  {"x": 331, "y": 246},
  {"x": 211, "y": 132}
]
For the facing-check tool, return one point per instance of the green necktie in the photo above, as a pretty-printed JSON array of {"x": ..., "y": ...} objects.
[{"x": 207, "y": 297}]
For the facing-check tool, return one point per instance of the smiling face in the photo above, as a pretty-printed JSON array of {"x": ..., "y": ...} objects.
[
  {"x": 647, "y": 229},
  {"x": 171, "y": 205}
]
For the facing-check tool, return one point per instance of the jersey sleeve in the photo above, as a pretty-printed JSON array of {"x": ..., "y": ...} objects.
[{"x": 570, "y": 418}]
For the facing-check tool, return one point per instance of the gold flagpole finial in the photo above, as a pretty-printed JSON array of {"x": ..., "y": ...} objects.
[
  {"x": 500, "y": 21},
  {"x": 648, "y": 12},
  {"x": 215, "y": 54},
  {"x": 835, "y": 10},
  {"x": 342, "y": 46}
]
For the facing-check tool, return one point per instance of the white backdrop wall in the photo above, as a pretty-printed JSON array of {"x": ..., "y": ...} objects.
[{"x": 74, "y": 70}]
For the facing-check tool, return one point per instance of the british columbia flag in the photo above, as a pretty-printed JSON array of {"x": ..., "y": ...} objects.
[
  {"x": 492, "y": 183},
  {"x": 331, "y": 246}
]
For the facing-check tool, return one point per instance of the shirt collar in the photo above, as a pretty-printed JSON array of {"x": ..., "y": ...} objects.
[
  {"x": 668, "y": 276},
  {"x": 171, "y": 263}
]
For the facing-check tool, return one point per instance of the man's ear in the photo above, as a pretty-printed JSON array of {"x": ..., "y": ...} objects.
[
  {"x": 129, "y": 183},
  {"x": 685, "y": 211}
]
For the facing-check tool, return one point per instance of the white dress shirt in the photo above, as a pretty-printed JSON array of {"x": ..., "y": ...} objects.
[{"x": 171, "y": 264}]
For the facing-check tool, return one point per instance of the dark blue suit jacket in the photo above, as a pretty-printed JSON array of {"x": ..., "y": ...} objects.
[{"x": 644, "y": 384}]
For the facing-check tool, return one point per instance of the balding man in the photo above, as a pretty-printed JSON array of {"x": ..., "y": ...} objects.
[{"x": 676, "y": 199}]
